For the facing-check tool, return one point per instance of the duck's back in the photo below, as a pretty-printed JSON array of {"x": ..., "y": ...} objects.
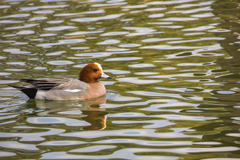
[
  {"x": 55, "y": 89},
  {"x": 74, "y": 89}
]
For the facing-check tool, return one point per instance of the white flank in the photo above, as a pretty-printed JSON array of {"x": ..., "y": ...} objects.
[
  {"x": 72, "y": 90},
  {"x": 40, "y": 95}
]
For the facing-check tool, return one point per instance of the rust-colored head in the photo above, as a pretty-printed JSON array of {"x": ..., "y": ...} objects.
[{"x": 91, "y": 73}]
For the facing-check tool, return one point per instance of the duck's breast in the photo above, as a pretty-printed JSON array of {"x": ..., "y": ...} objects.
[{"x": 95, "y": 90}]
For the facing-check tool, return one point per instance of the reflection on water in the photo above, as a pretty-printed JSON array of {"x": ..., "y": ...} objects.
[
  {"x": 69, "y": 113},
  {"x": 175, "y": 94}
]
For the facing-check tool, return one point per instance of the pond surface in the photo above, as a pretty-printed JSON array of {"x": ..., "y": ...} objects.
[{"x": 176, "y": 87}]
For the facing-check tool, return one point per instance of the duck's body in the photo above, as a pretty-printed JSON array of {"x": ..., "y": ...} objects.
[{"x": 86, "y": 87}]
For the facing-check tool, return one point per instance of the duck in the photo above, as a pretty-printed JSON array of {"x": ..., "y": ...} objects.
[{"x": 85, "y": 87}]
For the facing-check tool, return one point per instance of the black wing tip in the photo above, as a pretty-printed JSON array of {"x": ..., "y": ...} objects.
[
  {"x": 27, "y": 80},
  {"x": 30, "y": 92}
]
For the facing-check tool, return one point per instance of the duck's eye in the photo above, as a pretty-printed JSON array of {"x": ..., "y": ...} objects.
[{"x": 95, "y": 70}]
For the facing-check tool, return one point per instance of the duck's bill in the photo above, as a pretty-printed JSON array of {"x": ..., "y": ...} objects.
[{"x": 105, "y": 76}]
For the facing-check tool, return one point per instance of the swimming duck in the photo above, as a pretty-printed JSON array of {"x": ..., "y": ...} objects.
[{"x": 85, "y": 87}]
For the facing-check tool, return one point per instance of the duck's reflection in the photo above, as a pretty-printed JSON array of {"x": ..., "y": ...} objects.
[
  {"x": 88, "y": 110},
  {"x": 97, "y": 119}
]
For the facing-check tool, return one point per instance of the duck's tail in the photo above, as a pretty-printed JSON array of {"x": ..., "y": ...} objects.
[{"x": 30, "y": 92}]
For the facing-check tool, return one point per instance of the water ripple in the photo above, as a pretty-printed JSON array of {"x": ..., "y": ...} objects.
[
  {"x": 175, "y": 87},
  {"x": 127, "y": 132}
]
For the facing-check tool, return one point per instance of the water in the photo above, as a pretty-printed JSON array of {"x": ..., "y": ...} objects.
[{"x": 176, "y": 89}]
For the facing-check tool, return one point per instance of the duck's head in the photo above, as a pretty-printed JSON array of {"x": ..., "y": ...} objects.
[{"x": 92, "y": 72}]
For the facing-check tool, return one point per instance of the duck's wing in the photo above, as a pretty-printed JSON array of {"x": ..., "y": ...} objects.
[
  {"x": 72, "y": 85},
  {"x": 57, "y": 84}
]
